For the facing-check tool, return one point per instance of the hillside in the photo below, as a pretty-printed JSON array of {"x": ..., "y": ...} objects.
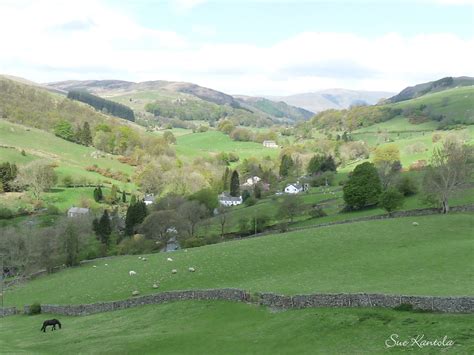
[
  {"x": 447, "y": 109},
  {"x": 186, "y": 101},
  {"x": 332, "y": 99},
  {"x": 277, "y": 109},
  {"x": 413, "y": 92}
]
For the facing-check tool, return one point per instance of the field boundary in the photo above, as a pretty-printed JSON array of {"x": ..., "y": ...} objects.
[{"x": 421, "y": 303}]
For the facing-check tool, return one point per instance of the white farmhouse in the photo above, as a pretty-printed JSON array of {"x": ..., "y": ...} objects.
[
  {"x": 296, "y": 188},
  {"x": 270, "y": 144},
  {"x": 227, "y": 200},
  {"x": 149, "y": 199},
  {"x": 77, "y": 212}
]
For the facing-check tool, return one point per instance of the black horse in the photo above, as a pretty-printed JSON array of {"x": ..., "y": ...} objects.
[{"x": 52, "y": 322}]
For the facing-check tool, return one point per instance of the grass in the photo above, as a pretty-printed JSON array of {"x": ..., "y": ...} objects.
[
  {"x": 219, "y": 327},
  {"x": 386, "y": 256},
  {"x": 71, "y": 158},
  {"x": 213, "y": 142}
]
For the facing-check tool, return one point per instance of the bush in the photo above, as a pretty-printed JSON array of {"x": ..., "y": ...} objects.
[
  {"x": 363, "y": 187},
  {"x": 5, "y": 213},
  {"x": 407, "y": 186},
  {"x": 250, "y": 201},
  {"x": 35, "y": 308},
  {"x": 322, "y": 179},
  {"x": 53, "y": 210},
  {"x": 317, "y": 211}
]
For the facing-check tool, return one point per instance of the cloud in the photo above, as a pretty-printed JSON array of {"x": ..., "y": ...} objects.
[
  {"x": 60, "y": 40},
  {"x": 186, "y": 5}
]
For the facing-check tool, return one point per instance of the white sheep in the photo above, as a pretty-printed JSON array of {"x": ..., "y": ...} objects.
[
  {"x": 191, "y": 269},
  {"x": 135, "y": 293},
  {"x": 139, "y": 258},
  {"x": 131, "y": 273},
  {"x": 415, "y": 223},
  {"x": 156, "y": 285},
  {"x": 106, "y": 264},
  {"x": 174, "y": 271},
  {"x": 144, "y": 259},
  {"x": 169, "y": 259},
  {"x": 94, "y": 266},
  {"x": 185, "y": 250}
]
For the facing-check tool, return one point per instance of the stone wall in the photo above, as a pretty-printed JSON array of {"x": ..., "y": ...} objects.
[
  {"x": 428, "y": 303},
  {"x": 8, "y": 311}
]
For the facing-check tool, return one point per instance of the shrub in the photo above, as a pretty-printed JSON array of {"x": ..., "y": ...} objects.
[
  {"x": 250, "y": 201},
  {"x": 317, "y": 211},
  {"x": 391, "y": 200},
  {"x": 5, "y": 213},
  {"x": 407, "y": 186},
  {"x": 53, "y": 210},
  {"x": 322, "y": 179},
  {"x": 363, "y": 187},
  {"x": 35, "y": 308}
]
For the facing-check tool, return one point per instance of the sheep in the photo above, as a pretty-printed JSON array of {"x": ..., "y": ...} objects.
[
  {"x": 156, "y": 285},
  {"x": 185, "y": 250},
  {"x": 174, "y": 271},
  {"x": 191, "y": 269},
  {"x": 139, "y": 258},
  {"x": 135, "y": 293},
  {"x": 144, "y": 259},
  {"x": 169, "y": 259},
  {"x": 106, "y": 264},
  {"x": 94, "y": 266},
  {"x": 415, "y": 223},
  {"x": 131, "y": 273}
]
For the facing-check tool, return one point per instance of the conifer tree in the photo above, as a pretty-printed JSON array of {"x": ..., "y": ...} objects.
[{"x": 235, "y": 184}]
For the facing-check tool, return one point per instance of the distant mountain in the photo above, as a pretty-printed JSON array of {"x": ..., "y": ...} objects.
[
  {"x": 275, "y": 108},
  {"x": 332, "y": 99},
  {"x": 32, "y": 83},
  {"x": 187, "y": 101},
  {"x": 412, "y": 92}
]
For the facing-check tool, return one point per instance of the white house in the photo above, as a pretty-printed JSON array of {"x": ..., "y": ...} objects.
[
  {"x": 227, "y": 200},
  {"x": 296, "y": 188},
  {"x": 149, "y": 199},
  {"x": 252, "y": 181},
  {"x": 77, "y": 212},
  {"x": 270, "y": 144}
]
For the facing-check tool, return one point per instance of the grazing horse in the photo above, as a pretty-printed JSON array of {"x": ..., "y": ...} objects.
[{"x": 52, "y": 322}]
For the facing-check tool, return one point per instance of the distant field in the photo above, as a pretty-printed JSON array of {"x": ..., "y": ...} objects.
[
  {"x": 218, "y": 327},
  {"x": 384, "y": 256},
  {"x": 197, "y": 144},
  {"x": 398, "y": 124},
  {"x": 71, "y": 158}
]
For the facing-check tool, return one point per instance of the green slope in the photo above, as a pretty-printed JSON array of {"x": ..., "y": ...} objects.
[
  {"x": 388, "y": 256},
  {"x": 231, "y": 328}
]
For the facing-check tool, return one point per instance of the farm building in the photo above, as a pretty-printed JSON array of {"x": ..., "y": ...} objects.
[
  {"x": 149, "y": 199},
  {"x": 77, "y": 212},
  {"x": 270, "y": 144},
  {"x": 227, "y": 200},
  {"x": 296, "y": 188}
]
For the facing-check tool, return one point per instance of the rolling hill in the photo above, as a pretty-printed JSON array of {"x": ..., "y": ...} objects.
[
  {"x": 413, "y": 92},
  {"x": 332, "y": 99},
  {"x": 187, "y": 101}
]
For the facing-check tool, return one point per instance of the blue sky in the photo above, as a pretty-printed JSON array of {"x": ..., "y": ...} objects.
[{"x": 273, "y": 47}]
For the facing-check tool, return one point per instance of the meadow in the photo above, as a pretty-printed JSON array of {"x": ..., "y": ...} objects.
[
  {"x": 383, "y": 256},
  {"x": 219, "y": 327}
]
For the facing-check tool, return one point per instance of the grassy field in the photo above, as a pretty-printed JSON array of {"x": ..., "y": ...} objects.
[
  {"x": 200, "y": 327},
  {"x": 213, "y": 142},
  {"x": 389, "y": 256},
  {"x": 71, "y": 158}
]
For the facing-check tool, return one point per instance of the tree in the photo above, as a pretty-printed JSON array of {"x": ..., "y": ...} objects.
[
  {"x": 386, "y": 153},
  {"x": 38, "y": 176},
  {"x": 86, "y": 136},
  {"x": 225, "y": 179},
  {"x": 407, "y": 186},
  {"x": 363, "y": 187},
  {"x": 169, "y": 137},
  {"x": 159, "y": 225},
  {"x": 391, "y": 200},
  {"x": 8, "y": 174},
  {"x": 71, "y": 245},
  {"x": 289, "y": 207},
  {"x": 191, "y": 213},
  {"x": 223, "y": 217},
  {"x": 124, "y": 196},
  {"x": 113, "y": 194},
  {"x": 235, "y": 184},
  {"x": 207, "y": 197},
  {"x": 286, "y": 165},
  {"x": 320, "y": 164},
  {"x": 257, "y": 191},
  {"x": 103, "y": 228},
  {"x": 136, "y": 213},
  {"x": 63, "y": 129},
  {"x": 450, "y": 170}
]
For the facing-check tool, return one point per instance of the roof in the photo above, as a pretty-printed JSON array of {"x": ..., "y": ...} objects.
[
  {"x": 297, "y": 186},
  {"x": 226, "y": 197},
  {"x": 149, "y": 198},
  {"x": 79, "y": 210}
]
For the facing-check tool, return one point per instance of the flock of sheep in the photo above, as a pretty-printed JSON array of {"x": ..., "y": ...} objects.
[{"x": 156, "y": 284}]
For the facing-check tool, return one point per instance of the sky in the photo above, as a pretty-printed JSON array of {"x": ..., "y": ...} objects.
[{"x": 252, "y": 47}]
